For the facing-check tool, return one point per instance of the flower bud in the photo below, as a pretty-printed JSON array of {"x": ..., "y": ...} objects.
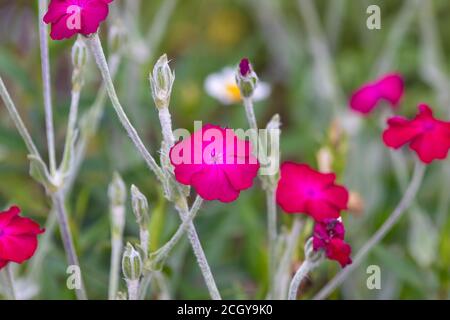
[
  {"x": 310, "y": 254},
  {"x": 246, "y": 78},
  {"x": 131, "y": 263},
  {"x": 117, "y": 191},
  {"x": 140, "y": 206},
  {"x": 116, "y": 36},
  {"x": 325, "y": 160},
  {"x": 79, "y": 54},
  {"x": 161, "y": 82}
]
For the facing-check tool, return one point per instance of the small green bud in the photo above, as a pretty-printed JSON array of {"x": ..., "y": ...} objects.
[
  {"x": 117, "y": 191},
  {"x": 79, "y": 54},
  {"x": 131, "y": 263},
  {"x": 161, "y": 82},
  {"x": 140, "y": 206},
  {"x": 116, "y": 36}
]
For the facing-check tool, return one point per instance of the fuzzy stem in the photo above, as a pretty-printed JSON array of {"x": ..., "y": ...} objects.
[
  {"x": 183, "y": 211},
  {"x": 133, "y": 289},
  {"x": 166, "y": 125},
  {"x": 270, "y": 196},
  {"x": 14, "y": 114},
  {"x": 9, "y": 277},
  {"x": 301, "y": 273},
  {"x": 165, "y": 250},
  {"x": 66, "y": 236},
  {"x": 94, "y": 44},
  {"x": 45, "y": 64},
  {"x": 283, "y": 270},
  {"x": 73, "y": 114},
  {"x": 117, "y": 227},
  {"x": 404, "y": 204}
]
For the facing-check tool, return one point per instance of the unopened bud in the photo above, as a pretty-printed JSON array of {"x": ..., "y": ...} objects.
[
  {"x": 116, "y": 36},
  {"x": 246, "y": 78},
  {"x": 161, "y": 82},
  {"x": 79, "y": 54},
  {"x": 117, "y": 191},
  {"x": 131, "y": 263},
  {"x": 355, "y": 203},
  {"x": 325, "y": 160},
  {"x": 140, "y": 206}
]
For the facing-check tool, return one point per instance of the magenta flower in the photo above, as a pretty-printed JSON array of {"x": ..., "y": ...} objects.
[
  {"x": 304, "y": 190},
  {"x": 389, "y": 88},
  {"x": 427, "y": 136},
  {"x": 215, "y": 162},
  {"x": 69, "y": 17},
  {"x": 329, "y": 236},
  {"x": 18, "y": 237}
]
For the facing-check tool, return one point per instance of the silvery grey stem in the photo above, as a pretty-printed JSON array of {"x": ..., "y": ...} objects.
[
  {"x": 164, "y": 251},
  {"x": 270, "y": 195},
  {"x": 71, "y": 126},
  {"x": 94, "y": 44},
  {"x": 66, "y": 236},
  {"x": 283, "y": 269},
  {"x": 250, "y": 113},
  {"x": 43, "y": 37},
  {"x": 14, "y": 114},
  {"x": 183, "y": 211},
  {"x": 404, "y": 204},
  {"x": 9, "y": 278},
  {"x": 301, "y": 273},
  {"x": 133, "y": 289},
  {"x": 166, "y": 124}
]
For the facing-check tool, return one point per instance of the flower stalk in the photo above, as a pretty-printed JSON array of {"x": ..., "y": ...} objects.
[
  {"x": 402, "y": 207},
  {"x": 117, "y": 197},
  {"x": 94, "y": 44},
  {"x": 9, "y": 279},
  {"x": 45, "y": 64}
]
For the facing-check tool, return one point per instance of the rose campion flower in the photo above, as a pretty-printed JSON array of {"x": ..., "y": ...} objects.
[
  {"x": 389, "y": 88},
  {"x": 215, "y": 162},
  {"x": 304, "y": 190},
  {"x": 18, "y": 237},
  {"x": 329, "y": 236},
  {"x": 69, "y": 17},
  {"x": 427, "y": 136}
]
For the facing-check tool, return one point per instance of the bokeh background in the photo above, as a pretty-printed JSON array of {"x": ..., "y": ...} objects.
[{"x": 313, "y": 53}]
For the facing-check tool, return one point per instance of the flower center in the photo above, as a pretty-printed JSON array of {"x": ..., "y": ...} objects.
[
  {"x": 312, "y": 193},
  {"x": 428, "y": 126},
  {"x": 233, "y": 92}
]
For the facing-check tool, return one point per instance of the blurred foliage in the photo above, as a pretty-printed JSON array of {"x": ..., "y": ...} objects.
[{"x": 201, "y": 38}]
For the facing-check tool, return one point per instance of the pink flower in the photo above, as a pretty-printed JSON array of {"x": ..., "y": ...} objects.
[
  {"x": 244, "y": 67},
  {"x": 390, "y": 88},
  {"x": 329, "y": 236},
  {"x": 215, "y": 162},
  {"x": 69, "y": 17},
  {"x": 18, "y": 237},
  {"x": 426, "y": 135},
  {"x": 304, "y": 190}
]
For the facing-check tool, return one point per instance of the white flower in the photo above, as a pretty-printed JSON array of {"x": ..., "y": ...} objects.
[{"x": 223, "y": 87}]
